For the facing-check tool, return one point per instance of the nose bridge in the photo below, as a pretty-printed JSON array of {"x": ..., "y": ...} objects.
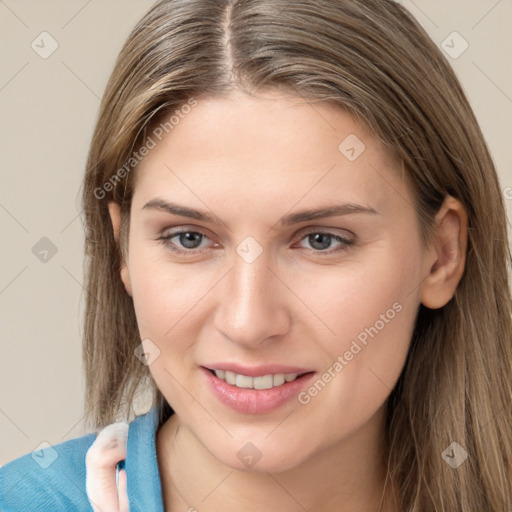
[{"x": 252, "y": 306}]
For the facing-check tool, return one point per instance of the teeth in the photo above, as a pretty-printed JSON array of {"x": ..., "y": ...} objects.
[
  {"x": 230, "y": 378},
  {"x": 278, "y": 379},
  {"x": 244, "y": 382},
  {"x": 264, "y": 382}
]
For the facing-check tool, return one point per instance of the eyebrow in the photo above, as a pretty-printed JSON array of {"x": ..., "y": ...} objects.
[{"x": 291, "y": 218}]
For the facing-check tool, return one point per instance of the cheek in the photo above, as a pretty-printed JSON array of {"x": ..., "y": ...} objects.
[
  {"x": 165, "y": 295},
  {"x": 166, "y": 299},
  {"x": 367, "y": 291},
  {"x": 372, "y": 310}
]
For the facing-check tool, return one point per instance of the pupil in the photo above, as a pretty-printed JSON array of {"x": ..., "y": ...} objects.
[
  {"x": 319, "y": 236},
  {"x": 189, "y": 238}
]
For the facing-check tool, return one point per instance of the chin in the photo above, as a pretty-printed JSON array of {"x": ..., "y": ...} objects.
[{"x": 268, "y": 459}]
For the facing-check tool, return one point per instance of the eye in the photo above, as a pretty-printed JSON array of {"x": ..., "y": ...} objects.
[
  {"x": 320, "y": 240},
  {"x": 188, "y": 239}
]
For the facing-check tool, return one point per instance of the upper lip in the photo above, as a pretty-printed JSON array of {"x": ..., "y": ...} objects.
[{"x": 256, "y": 371}]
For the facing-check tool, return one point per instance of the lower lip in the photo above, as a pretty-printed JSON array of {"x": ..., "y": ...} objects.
[{"x": 254, "y": 401}]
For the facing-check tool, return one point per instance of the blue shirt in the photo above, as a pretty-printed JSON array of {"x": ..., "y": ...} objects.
[{"x": 53, "y": 479}]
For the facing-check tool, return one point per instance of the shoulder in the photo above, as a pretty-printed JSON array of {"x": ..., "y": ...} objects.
[
  {"x": 53, "y": 479},
  {"x": 49, "y": 479}
]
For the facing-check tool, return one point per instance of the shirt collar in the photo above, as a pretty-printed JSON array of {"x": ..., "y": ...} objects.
[{"x": 143, "y": 476}]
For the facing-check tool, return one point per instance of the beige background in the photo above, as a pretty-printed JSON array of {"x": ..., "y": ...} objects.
[{"x": 47, "y": 112}]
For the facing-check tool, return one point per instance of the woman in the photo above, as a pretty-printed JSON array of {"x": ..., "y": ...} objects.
[{"x": 296, "y": 238}]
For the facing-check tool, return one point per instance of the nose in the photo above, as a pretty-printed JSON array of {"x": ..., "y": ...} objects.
[{"x": 253, "y": 303}]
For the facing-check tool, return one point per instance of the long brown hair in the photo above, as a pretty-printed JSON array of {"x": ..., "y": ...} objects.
[{"x": 373, "y": 59}]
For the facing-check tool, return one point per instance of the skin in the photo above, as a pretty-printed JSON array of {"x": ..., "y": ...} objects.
[{"x": 249, "y": 160}]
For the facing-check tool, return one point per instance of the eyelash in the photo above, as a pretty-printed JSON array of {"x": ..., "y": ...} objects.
[{"x": 346, "y": 243}]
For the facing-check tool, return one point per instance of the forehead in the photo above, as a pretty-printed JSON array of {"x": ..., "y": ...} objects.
[{"x": 270, "y": 147}]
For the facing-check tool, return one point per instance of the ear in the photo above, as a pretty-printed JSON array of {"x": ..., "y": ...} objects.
[
  {"x": 446, "y": 256},
  {"x": 115, "y": 216}
]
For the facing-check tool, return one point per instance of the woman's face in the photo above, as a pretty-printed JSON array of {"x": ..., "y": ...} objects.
[{"x": 262, "y": 288}]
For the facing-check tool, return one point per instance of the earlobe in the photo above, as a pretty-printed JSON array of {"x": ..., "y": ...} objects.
[
  {"x": 446, "y": 256},
  {"x": 115, "y": 217},
  {"x": 125, "y": 277}
]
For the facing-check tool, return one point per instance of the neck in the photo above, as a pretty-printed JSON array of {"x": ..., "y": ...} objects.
[{"x": 349, "y": 476}]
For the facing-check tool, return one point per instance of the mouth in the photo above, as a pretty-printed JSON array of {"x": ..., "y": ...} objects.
[{"x": 267, "y": 389}]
